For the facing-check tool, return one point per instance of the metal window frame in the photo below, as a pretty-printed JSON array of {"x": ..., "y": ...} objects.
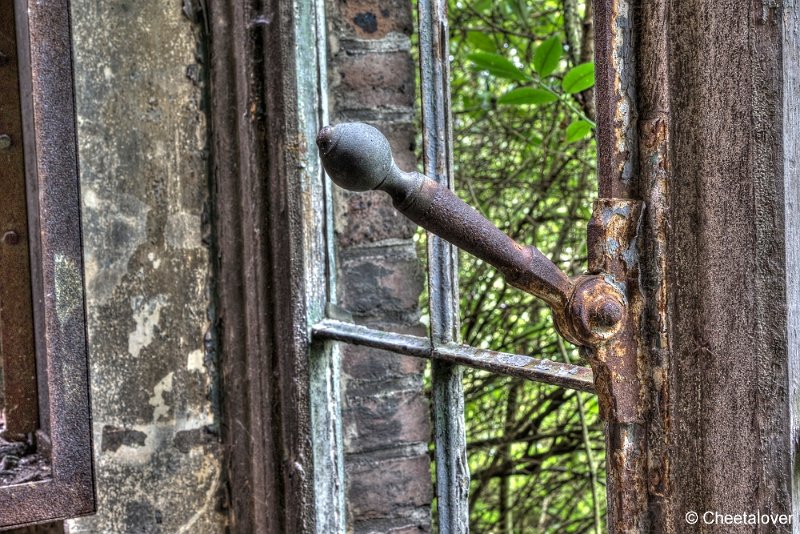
[
  {"x": 43, "y": 36},
  {"x": 447, "y": 355},
  {"x": 18, "y": 353}
]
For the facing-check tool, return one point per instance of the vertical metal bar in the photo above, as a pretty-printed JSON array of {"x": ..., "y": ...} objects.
[
  {"x": 618, "y": 365},
  {"x": 626, "y": 438},
  {"x": 324, "y": 358},
  {"x": 653, "y": 91},
  {"x": 17, "y": 353},
  {"x": 452, "y": 471},
  {"x": 616, "y": 98}
]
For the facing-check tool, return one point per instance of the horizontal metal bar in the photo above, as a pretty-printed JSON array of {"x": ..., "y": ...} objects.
[
  {"x": 333, "y": 330},
  {"x": 539, "y": 370}
]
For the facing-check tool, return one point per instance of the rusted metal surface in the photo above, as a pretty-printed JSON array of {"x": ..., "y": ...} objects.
[
  {"x": 587, "y": 310},
  {"x": 626, "y": 479},
  {"x": 613, "y": 248},
  {"x": 618, "y": 365},
  {"x": 20, "y": 398},
  {"x": 54, "y": 218},
  {"x": 541, "y": 370},
  {"x": 616, "y": 98},
  {"x": 621, "y": 372},
  {"x": 653, "y": 90}
]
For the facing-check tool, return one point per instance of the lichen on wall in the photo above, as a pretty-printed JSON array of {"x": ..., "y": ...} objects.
[{"x": 143, "y": 141}]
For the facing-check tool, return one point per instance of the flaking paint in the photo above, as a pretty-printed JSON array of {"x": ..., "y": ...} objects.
[{"x": 142, "y": 136}]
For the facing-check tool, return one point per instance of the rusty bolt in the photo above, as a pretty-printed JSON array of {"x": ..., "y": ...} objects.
[
  {"x": 596, "y": 309},
  {"x": 606, "y": 314},
  {"x": 11, "y": 238},
  {"x": 5, "y": 142}
]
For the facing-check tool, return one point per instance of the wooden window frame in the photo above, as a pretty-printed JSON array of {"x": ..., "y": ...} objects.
[{"x": 280, "y": 402}]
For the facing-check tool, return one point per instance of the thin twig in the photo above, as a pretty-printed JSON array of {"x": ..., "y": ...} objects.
[{"x": 598, "y": 520}]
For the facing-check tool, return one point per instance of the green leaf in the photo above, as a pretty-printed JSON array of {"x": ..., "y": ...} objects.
[
  {"x": 521, "y": 8},
  {"x": 579, "y": 78},
  {"x": 481, "y": 41},
  {"x": 498, "y": 66},
  {"x": 578, "y": 130},
  {"x": 547, "y": 56},
  {"x": 482, "y": 5},
  {"x": 527, "y": 95}
]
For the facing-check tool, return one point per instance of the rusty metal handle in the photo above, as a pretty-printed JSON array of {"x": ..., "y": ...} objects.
[{"x": 358, "y": 157}]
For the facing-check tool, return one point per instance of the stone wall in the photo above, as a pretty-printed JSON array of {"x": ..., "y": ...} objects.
[
  {"x": 386, "y": 414},
  {"x": 144, "y": 183}
]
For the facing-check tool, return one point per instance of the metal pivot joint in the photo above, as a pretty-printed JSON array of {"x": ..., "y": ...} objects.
[{"x": 589, "y": 310}]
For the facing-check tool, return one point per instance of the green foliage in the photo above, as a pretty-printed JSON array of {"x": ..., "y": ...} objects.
[
  {"x": 527, "y": 95},
  {"x": 534, "y": 73},
  {"x": 498, "y": 66},
  {"x": 547, "y": 56},
  {"x": 480, "y": 41},
  {"x": 525, "y": 157},
  {"x": 578, "y": 130},
  {"x": 578, "y": 78}
]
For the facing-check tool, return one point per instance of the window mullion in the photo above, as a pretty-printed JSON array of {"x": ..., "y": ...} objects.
[{"x": 452, "y": 471}]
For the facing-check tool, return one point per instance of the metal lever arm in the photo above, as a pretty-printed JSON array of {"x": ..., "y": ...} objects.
[{"x": 358, "y": 157}]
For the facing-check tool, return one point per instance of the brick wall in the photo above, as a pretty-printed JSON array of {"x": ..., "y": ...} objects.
[{"x": 386, "y": 414}]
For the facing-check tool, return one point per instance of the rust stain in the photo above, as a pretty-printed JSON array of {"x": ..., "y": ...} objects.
[
  {"x": 614, "y": 230},
  {"x": 654, "y": 169},
  {"x": 616, "y": 111}
]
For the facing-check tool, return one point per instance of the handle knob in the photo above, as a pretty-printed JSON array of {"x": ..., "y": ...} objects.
[{"x": 358, "y": 157}]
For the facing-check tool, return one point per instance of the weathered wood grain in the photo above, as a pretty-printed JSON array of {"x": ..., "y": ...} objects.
[{"x": 717, "y": 170}]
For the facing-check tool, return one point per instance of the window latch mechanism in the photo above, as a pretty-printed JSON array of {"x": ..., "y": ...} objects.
[
  {"x": 591, "y": 310},
  {"x": 588, "y": 310}
]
